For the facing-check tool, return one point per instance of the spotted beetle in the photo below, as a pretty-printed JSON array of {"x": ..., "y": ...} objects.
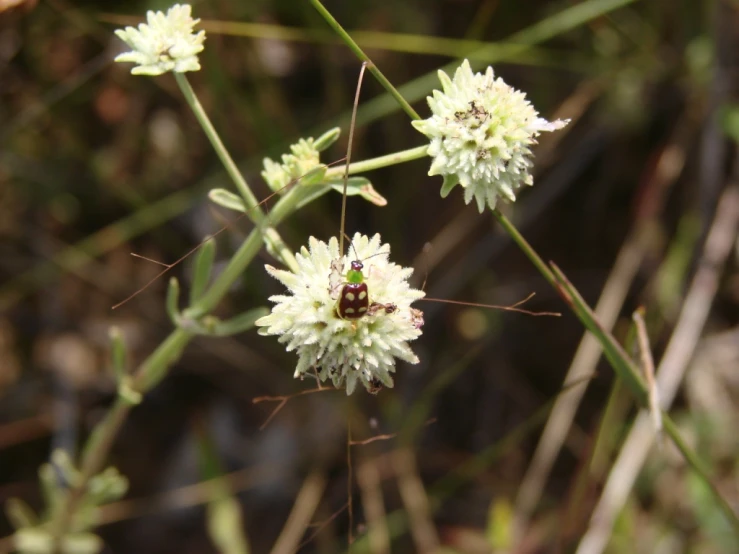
[{"x": 353, "y": 300}]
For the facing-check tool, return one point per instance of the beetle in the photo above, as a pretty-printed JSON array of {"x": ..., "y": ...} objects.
[{"x": 353, "y": 300}]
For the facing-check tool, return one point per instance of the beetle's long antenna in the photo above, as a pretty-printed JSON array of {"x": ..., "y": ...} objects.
[
  {"x": 349, "y": 157},
  {"x": 356, "y": 254},
  {"x": 373, "y": 255}
]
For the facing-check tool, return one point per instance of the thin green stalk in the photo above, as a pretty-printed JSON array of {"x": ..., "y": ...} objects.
[
  {"x": 354, "y": 47},
  {"x": 155, "y": 367},
  {"x": 253, "y": 211},
  {"x": 617, "y": 357},
  {"x": 698, "y": 467},
  {"x": 525, "y": 247},
  {"x": 566, "y": 20},
  {"x": 613, "y": 351},
  {"x": 381, "y": 161},
  {"x": 408, "y": 43}
]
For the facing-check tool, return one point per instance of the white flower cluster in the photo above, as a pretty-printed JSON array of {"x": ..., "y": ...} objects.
[
  {"x": 304, "y": 158},
  {"x": 481, "y": 130},
  {"x": 164, "y": 43},
  {"x": 346, "y": 350}
]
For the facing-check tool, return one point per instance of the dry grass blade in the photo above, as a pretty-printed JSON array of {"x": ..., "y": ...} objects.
[
  {"x": 647, "y": 363},
  {"x": 301, "y": 514},
  {"x": 670, "y": 372},
  {"x": 624, "y": 367},
  {"x": 416, "y": 501},
  {"x": 583, "y": 364},
  {"x": 368, "y": 479}
]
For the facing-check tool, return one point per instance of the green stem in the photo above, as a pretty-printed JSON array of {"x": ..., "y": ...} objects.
[
  {"x": 156, "y": 366},
  {"x": 354, "y": 47},
  {"x": 619, "y": 360},
  {"x": 253, "y": 211},
  {"x": 245, "y": 254},
  {"x": 698, "y": 467},
  {"x": 94, "y": 456},
  {"x": 526, "y": 247},
  {"x": 96, "y": 450},
  {"x": 382, "y": 161}
]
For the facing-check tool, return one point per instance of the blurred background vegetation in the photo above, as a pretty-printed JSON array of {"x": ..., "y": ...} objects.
[{"x": 96, "y": 164}]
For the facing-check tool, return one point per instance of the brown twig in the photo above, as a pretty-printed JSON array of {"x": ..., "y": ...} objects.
[
  {"x": 511, "y": 308},
  {"x": 386, "y": 436},
  {"x": 282, "y": 399},
  {"x": 321, "y": 526}
]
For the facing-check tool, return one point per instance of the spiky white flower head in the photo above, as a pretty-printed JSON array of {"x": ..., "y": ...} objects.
[
  {"x": 481, "y": 131},
  {"x": 166, "y": 42},
  {"x": 346, "y": 350}
]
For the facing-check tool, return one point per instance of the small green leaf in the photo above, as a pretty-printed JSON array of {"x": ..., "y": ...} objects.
[
  {"x": 360, "y": 186},
  {"x": 227, "y": 199},
  {"x": 20, "y": 514},
  {"x": 327, "y": 139},
  {"x": 173, "y": 300},
  {"x": 202, "y": 270}
]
